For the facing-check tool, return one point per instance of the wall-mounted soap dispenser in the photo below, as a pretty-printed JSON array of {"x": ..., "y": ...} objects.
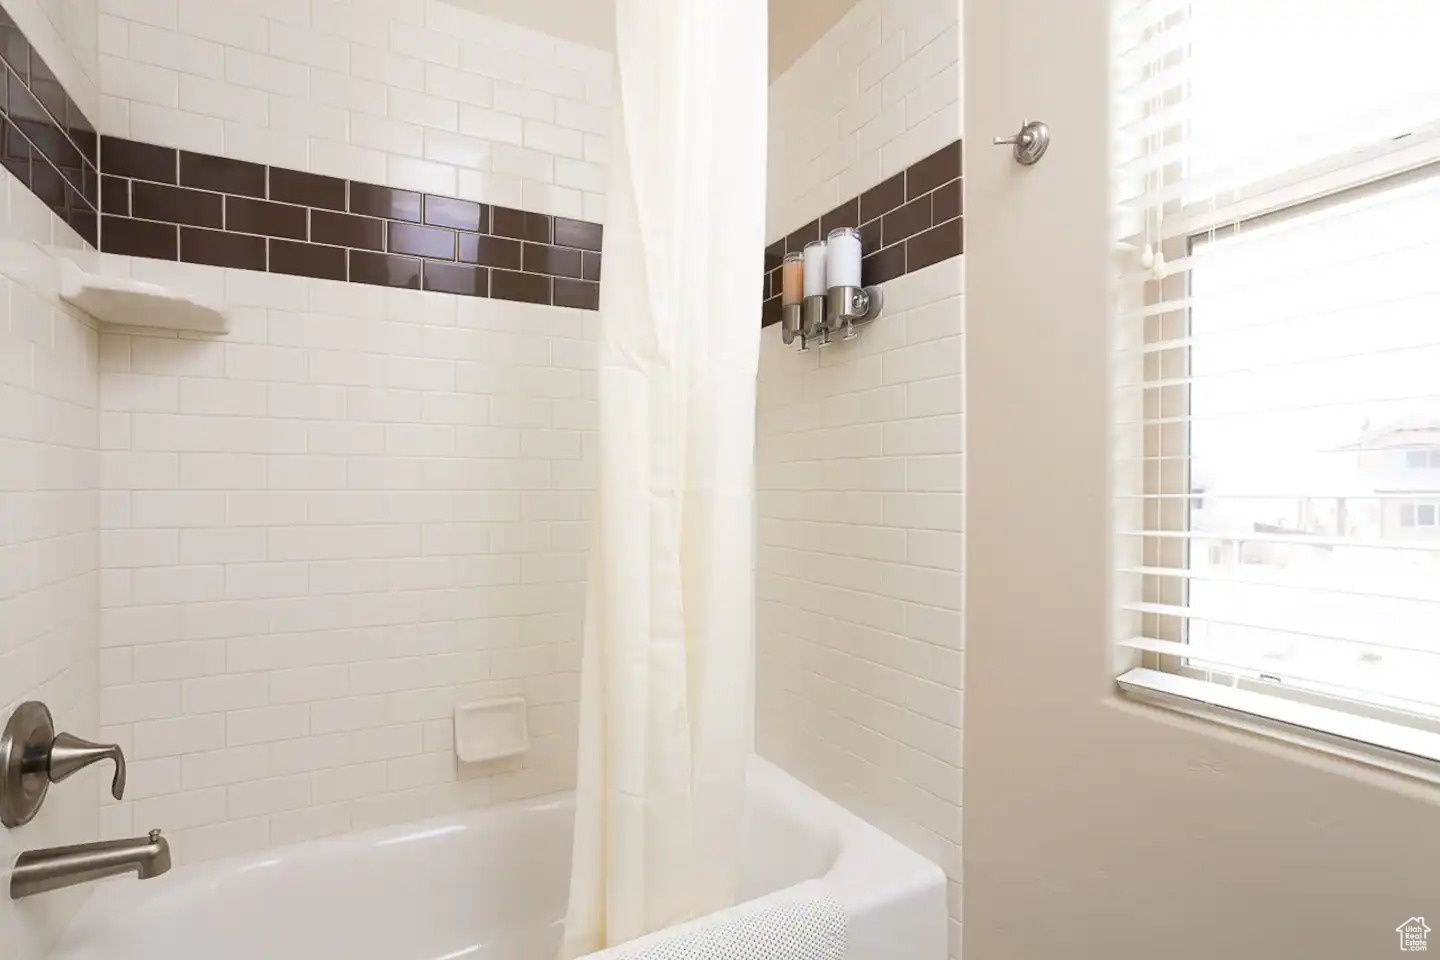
[
  {"x": 812, "y": 325},
  {"x": 848, "y": 302},
  {"x": 792, "y": 296},
  {"x": 821, "y": 291}
]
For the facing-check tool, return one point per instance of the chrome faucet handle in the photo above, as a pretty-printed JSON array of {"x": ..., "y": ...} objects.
[
  {"x": 32, "y": 757},
  {"x": 68, "y": 754}
]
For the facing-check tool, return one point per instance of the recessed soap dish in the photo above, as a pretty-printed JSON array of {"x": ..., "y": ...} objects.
[{"x": 491, "y": 730}]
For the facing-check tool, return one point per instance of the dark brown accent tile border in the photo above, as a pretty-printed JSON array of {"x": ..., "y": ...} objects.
[
  {"x": 141, "y": 238},
  {"x": 555, "y": 261},
  {"x": 345, "y": 229},
  {"x": 382, "y": 270},
  {"x": 115, "y": 196},
  {"x": 46, "y": 141},
  {"x": 220, "y": 249},
  {"x": 458, "y": 214},
  {"x": 577, "y": 293},
  {"x": 490, "y": 251},
  {"x": 158, "y": 201},
  {"x": 431, "y": 243},
  {"x": 307, "y": 189},
  {"x": 130, "y": 158},
  {"x": 222, "y": 174},
  {"x": 577, "y": 233},
  {"x": 384, "y": 202},
  {"x": 235, "y": 214},
  {"x": 170, "y": 204},
  {"x": 316, "y": 260},
  {"x": 528, "y": 287},
  {"x": 535, "y": 227},
  {"x": 264, "y": 217},
  {"x": 457, "y": 278},
  {"x": 911, "y": 221}
]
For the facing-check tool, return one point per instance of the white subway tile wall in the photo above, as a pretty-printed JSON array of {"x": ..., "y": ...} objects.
[
  {"x": 860, "y": 457},
  {"x": 363, "y": 506},
  {"x": 323, "y": 531},
  {"x": 49, "y": 476},
  {"x": 417, "y": 94},
  {"x": 879, "y": 91}
]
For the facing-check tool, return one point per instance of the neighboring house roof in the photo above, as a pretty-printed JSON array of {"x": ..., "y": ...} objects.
[{"x": 1414, "y": 429}]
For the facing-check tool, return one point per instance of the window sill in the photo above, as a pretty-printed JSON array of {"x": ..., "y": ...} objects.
[{"x": 1379, "y": 743}]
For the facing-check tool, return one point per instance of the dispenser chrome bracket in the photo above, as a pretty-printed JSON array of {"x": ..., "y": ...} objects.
[
  {"x": 849, "y": 306},
  {"x": 813, "y": 325},
  {"x": 791, "y": 322}
]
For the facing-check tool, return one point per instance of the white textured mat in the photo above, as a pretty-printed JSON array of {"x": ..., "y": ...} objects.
[{"x": 773, "y": 928}]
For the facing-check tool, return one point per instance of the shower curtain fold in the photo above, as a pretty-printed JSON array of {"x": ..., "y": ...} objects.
[{"x": 667, "y": 687}]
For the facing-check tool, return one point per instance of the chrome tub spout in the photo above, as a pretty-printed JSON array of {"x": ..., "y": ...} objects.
[{"x": 39, "y": 871}]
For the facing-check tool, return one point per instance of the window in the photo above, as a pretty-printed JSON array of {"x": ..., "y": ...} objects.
[
  {"x": 1277, "y": 415},
  {"x": 1419, "y": 514},
  {"x": 1422, "y": 459}
]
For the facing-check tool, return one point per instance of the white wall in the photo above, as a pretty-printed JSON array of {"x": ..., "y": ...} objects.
[
  {"x": 416, "y": 94},
  {"x": 48, "y": 477},
  {"x": 794, "y": 24},
  {"x": 1095, "y": 828},
  {"x": 860, "y": 458},
  {"x": 323, "y": 531}
]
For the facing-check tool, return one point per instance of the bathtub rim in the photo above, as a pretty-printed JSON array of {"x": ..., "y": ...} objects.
[{"x": 869, "y": 874}]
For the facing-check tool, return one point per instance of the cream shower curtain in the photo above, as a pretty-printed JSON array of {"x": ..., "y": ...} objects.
[{"x": 667, "y": 691}]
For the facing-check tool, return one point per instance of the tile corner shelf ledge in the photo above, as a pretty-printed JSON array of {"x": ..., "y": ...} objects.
[{"x": 136, "y": 303}]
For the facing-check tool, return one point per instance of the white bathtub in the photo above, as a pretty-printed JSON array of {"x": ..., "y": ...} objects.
[{"x": 489, "y": 883}]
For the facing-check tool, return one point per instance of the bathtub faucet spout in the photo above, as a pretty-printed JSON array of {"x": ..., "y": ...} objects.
[{"x": 39, "y": 871}]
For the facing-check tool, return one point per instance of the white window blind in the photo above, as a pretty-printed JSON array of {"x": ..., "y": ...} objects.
[{"x": 1277, "y": 446}]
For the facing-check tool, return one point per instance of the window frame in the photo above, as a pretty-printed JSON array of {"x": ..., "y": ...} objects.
[
  {"x": 1368, "y": 732},
  {"x": 1296, "y": 210}
]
